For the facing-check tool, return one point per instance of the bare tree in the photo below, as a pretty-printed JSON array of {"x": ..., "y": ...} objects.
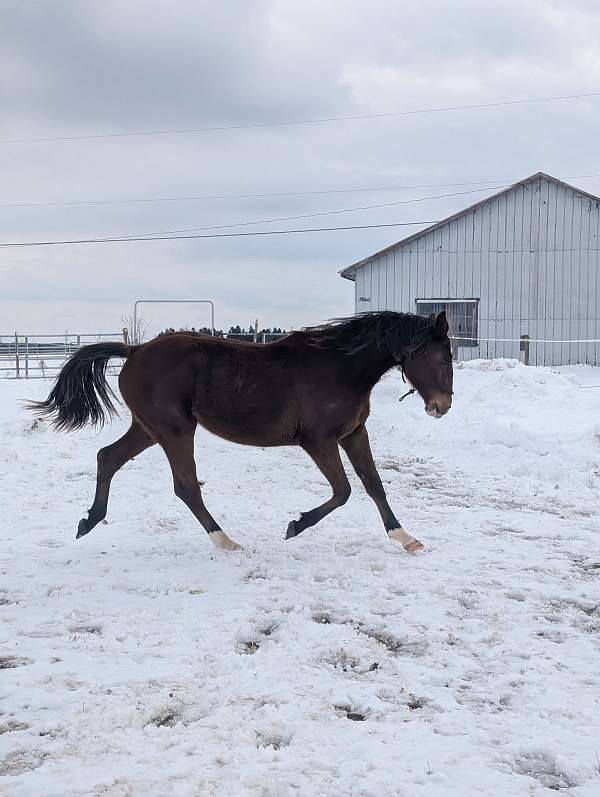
[{"x": 137, "y": 328}]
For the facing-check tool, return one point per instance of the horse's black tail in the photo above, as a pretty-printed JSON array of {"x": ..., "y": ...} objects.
[{"x": 81, "y": 393}]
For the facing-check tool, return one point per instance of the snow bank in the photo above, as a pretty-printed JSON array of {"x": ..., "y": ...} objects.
[{"x": 139, "y": 661}]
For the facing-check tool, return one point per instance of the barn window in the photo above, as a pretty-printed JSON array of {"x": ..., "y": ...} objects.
[{"x": 462, "y": 317}]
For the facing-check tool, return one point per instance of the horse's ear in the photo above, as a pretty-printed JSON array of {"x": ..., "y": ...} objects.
[{"x": 440, "y": 325}]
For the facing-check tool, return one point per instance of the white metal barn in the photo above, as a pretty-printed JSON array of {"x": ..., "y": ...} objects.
[{"x": 523, "y": 262}]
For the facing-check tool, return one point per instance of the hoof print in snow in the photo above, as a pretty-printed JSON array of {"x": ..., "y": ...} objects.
[
  {"x": 583, "y": 616},
  {"x": 256, "y": 574},
  {"x": 52, "y": 733},
  {"x": 414, "y": 703},
  {"x": 5, "y": 600},
  {"x": 344, "y": 661},
  {"x": 12, "y": 725},
  {"x": 165, "y": 719},
  {"x": 274, "y": 741},
  {"x": 399, "y": 647},
  {"x": 20, "y": 762},
  {"x": 323, "y": 617},
  {"x": 268, "y": 630},
  {"x": 543, "y": 766},
  {"x": 249, "y": 645},
  {"x": 588, "y": 567},
  {"x": 551, "y": 636},
  {"x": 249, "y": 648},
  {"x": 92, "y": 628},
  {"x": 355, "y": 716},
  {"x": 351, "y": 714},
  {"x": 11, "y": 662}
]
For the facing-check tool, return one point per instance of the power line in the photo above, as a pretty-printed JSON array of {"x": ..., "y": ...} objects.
[
  {"x": 24, "y": 244},
  {"x": 316, "y": 214},
  {"x": 297, "y": 122},
  {"x": 203, "y": 197},
  {"x": 310, "y": 215},
  {"x": 138, "y": 239}
]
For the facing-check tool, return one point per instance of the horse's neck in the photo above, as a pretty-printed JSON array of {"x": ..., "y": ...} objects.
[{"x": 370, "y": 364}]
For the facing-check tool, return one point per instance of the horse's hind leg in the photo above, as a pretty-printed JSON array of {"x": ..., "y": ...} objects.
[
  {"x": 110, "y": 459},
  {"x": 358, "y": 449},
  {"x": 179, "y": 448},
  {"x": 326, "y": 456}
]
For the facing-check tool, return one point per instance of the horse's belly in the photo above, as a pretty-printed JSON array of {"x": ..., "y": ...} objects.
[{"x": 250, "y": 429}]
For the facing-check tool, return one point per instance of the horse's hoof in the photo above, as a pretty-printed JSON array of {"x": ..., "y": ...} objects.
[
  {"x": 408, "y": 543},
  {"x": 414, "y": 547},
  {"x": 220, "y": 540},
  {"x": 82, "y": 529},
  {"x": 292, "y": 530}
]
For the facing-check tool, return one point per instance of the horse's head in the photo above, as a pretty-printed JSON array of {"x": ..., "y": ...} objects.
[{"x": 429, "y": 370}]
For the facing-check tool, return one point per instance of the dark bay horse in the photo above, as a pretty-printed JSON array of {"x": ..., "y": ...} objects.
[{"x": 310, "y": 389}]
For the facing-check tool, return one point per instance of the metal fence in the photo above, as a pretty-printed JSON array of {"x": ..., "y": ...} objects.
[{"x": 41, "y": 356}]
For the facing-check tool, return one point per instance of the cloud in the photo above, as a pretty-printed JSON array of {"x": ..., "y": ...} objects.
[{"x": 90, "y": 67}]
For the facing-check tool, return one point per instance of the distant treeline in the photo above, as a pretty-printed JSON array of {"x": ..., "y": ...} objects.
[{"x": 220, "y": 333}]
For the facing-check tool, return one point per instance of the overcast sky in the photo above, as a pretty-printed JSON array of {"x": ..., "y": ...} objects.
[{"x": 84, "y": 67}]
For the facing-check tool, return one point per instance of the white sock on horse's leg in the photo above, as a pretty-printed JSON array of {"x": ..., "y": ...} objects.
[
  {"x": 220, "y": 540},
  {"x": 408, "y": 543}
]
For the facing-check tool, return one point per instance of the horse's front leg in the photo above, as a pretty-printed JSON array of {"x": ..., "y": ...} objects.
[
  {"x": 326, "y": 456},
  {"x": 358, "y": 449}
]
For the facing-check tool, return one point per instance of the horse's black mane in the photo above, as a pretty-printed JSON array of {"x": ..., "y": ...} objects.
[{"x": 398, "y": 332}]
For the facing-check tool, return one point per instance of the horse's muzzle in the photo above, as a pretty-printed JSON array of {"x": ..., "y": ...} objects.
[{"x": 437, "y": 409}]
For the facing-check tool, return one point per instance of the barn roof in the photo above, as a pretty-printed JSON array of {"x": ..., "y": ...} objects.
[{"x": 349, "y": 271}]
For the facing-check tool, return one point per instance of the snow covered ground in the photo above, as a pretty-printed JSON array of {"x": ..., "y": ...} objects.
[{"x": 140, "y": 661}]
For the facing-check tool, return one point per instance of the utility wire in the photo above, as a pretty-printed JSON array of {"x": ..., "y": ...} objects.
[
  {"x": 316, "y": 214},
  {"x": 295, "y": 122},
  {"x": 308, "y": 215},
  {"x": 202, "y": 197},
  {"x": 23, "y": 244}
]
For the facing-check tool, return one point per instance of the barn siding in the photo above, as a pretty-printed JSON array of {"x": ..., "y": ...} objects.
[{"x": 531, "y": 258}]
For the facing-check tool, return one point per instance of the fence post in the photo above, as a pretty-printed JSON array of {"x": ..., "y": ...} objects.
[
  {"x": 524, "y": 347},
  {"x": 17, "y": 355},
  {"x": 125, "y": 336},
  {"x": 454, "y": 346},
  {"x": 26, "y": 357}
]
